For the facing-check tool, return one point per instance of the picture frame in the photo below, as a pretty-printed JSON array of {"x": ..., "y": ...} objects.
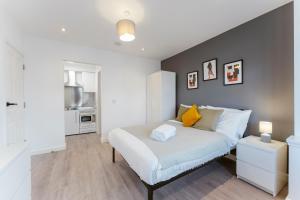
[
  {"x": 210, "y": 70},
  {"x": 233, "y": 73},
  {"x": 192, "y": 80}
]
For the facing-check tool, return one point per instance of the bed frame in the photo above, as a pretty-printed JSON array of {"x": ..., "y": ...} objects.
[{"x": 152, "y": 188}]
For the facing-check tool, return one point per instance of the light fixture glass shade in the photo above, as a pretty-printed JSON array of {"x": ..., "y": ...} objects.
[
  {"x": 126, "y": 30},
  {"x": 265, "y": 127}
]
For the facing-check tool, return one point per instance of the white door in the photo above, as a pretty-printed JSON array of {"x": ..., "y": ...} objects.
[{"x": 14, "y": 96}]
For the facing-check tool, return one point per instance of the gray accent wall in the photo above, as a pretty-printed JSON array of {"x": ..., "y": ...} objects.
[{"x": 266, "y": 46}]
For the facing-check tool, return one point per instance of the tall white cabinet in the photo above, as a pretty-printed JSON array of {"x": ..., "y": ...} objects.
[{"x": 161, "y": 96}]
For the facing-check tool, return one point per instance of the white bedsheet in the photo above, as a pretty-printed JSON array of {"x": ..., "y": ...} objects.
[{"x": 142, "y": 160}]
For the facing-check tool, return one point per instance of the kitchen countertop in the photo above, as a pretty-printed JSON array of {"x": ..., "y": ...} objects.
[{"x": 81, "y": 108}]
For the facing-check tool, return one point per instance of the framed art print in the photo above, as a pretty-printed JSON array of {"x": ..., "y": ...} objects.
[
  {"x": 209, "y": 69},
  {"x": 233, "y": 73},
  {"x": 192, "y": 80}
]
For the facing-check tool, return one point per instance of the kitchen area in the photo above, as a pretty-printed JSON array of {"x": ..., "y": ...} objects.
[{"x": 81, "y": 96}]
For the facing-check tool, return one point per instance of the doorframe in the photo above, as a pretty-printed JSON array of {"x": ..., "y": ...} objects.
[
  {"x": 99, "y": 102},
  {"x": 99, "y": 98}
]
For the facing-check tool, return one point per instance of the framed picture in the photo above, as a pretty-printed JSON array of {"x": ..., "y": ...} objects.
[
  {"x": 209, "y": 69},
  {"x": 192, "y": 80},
  {"x": 233, "y": 73}
]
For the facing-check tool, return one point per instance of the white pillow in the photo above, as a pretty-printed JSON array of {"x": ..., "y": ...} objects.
[
  {"x": 244, "y": 118},
  {"x": 188, "y": 106},
  {"x": 228, "y": 125}
]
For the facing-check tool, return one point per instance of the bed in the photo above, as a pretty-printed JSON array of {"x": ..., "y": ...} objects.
[{"x": 159, "y": 163}]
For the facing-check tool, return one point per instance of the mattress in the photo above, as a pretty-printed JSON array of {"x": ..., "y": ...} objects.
[{"x": 159, "y": 161}]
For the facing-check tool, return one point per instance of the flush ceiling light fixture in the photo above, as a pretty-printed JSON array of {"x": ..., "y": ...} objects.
[{"x": 126, "y": 30}]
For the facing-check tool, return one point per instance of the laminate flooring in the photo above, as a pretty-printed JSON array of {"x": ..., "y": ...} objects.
[{"x": 84, "y": 171}]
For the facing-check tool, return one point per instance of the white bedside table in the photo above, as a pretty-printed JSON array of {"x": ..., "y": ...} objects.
[{"x": 263, "y": 165}]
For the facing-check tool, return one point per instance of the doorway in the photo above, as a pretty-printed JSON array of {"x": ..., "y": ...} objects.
[{"x": 82, "y": 98}]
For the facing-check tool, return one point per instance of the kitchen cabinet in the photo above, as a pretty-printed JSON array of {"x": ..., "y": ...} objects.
[
  {"x": 66, "y": 76},
  {"x": 89, "y": 81},
  {"x": 71, "y": 122}
]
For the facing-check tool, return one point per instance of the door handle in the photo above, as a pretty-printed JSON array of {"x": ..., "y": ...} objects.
[{"x": 10, "y": 104}]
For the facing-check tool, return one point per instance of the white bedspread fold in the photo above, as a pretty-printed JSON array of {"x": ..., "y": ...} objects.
[{"x": 139, "y": 157}]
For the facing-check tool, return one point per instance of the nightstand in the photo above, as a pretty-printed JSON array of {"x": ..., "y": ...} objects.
[{"x": 263, "y": 165}]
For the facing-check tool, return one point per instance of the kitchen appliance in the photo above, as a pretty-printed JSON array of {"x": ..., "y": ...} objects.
[
  {"x": 87, "y": 120},
  {"x": 73, "y": 92},
  {"x": 72, "y": 78}
]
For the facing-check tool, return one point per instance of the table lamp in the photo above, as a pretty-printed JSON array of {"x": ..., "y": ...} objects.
[{"x": 265, "y": 128}]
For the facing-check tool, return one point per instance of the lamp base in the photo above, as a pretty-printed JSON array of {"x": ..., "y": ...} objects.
[{"x": 265, "y": 137}]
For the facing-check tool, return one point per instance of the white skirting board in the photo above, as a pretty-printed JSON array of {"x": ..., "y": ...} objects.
[{"x": 48, "y": 150}]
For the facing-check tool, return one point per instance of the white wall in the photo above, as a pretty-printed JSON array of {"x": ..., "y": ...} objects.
[
  {"x": 9, "y": 33},
  {"x": 294, "y": 141},
  {"x": 123, "y": 89}
]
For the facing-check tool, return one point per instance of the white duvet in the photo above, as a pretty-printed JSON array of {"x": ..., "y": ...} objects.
[{"x": 144, "y": 162}]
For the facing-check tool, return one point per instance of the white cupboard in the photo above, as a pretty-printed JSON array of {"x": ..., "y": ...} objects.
[
  {"x": 89, "y": 81},
  {"x": 15, "y": 172},
  {"x": 262, "y": 164},
  {"x": 72, "y": 122},
  {"x": 161, "y": 96}
]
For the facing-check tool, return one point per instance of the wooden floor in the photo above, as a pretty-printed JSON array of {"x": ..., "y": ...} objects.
[{"x": 85, "y": 172}]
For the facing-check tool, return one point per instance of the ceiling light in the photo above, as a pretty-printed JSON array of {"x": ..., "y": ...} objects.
[
  {"x": 142, "y": 49},
  {"x": 126, "y": 30},
  {"x": 63, "y": 29}
]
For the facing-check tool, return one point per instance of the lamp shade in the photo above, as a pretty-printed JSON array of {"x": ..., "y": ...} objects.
[
  {"x": 265, "y": 127},
  {"x": 126, "y": 30}
]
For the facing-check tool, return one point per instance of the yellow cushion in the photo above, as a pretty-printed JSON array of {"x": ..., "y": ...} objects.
[{"x": 191, "y": 116}]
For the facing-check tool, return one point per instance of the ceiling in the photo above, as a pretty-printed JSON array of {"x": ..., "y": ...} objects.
[{"x": 163, "y": 27}]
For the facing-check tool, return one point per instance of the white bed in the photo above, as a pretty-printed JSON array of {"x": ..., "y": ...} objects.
[{"x": 147, "y": 164}]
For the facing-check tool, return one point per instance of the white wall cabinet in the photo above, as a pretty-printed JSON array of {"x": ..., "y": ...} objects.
[
  {"x": 71, "y": 122},
  {"x": 161, "y": 96},
  {"x": 15, "y": 172},
  {"x": 66, "y": 76},
  {"x": 89, "y": 81}
]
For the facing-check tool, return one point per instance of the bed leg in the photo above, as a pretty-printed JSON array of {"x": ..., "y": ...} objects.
[
  {"x": 113, "y": 155},
  {"x": 150, "y": 194}
]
